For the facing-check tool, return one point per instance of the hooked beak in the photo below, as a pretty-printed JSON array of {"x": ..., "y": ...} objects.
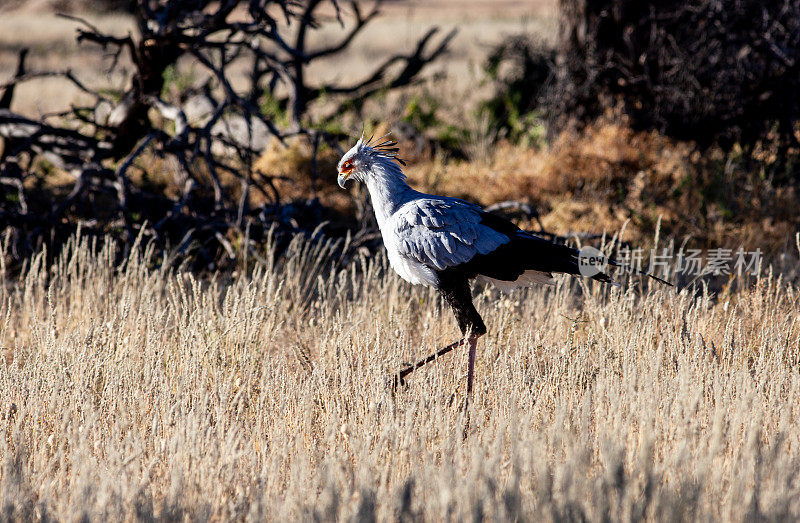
[{"x": 342, "y": 178}]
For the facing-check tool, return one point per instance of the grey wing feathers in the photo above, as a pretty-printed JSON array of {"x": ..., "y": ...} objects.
[{"x": 443, "y": 233}]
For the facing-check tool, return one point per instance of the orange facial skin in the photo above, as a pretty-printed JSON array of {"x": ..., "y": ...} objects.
[{"x": 347, "y": 168}]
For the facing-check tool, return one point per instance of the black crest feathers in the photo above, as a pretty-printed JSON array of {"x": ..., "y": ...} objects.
[{"x": 386, "y": 147}]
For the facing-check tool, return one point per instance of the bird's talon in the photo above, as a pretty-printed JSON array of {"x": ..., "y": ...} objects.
[{"x": 397, "y": 381}]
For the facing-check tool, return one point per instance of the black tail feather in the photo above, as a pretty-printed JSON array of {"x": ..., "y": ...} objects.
[
  {"x": 527, "y": 252},
  {"x": 638, "y": 272}
]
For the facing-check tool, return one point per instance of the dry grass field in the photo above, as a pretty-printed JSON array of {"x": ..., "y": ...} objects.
[
  {"x": 132, "y": 390},
  {"x": 141, "y": 392}
]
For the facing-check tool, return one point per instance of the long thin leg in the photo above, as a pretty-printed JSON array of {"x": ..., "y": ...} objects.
[
  {"x": 473, "y": 344},
  {"x": 399, "y": 378}
]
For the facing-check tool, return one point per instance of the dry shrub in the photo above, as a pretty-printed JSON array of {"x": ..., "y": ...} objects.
[
  {"x": 607, "y": 175},
  {"x": 299, "y": 177},
  {"x": 505, "y": 175},
  {"x": 138, "y": 392},
  {"x": 607, "y": 154},
  {"x": 717, "y": 73}
]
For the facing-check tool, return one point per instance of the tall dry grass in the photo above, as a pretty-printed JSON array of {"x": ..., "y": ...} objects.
[{"x": 137, "y": 392}]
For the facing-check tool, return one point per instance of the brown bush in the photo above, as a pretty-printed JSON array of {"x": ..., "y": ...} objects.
[{"x": 712, "y": 72}]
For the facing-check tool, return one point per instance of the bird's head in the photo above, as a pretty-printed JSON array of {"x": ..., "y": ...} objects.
[{"x": 360, "y": 161}]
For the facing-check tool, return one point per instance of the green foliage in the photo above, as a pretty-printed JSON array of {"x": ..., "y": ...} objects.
[
  {"x": 114, "y": 94},
  {"x": 274, "y": 109},
  {"x": 451, "y": 138},
  {"x": 176, "y": 81},
  {"x": 421, "y": 110},
  {"x": 519, "y": 70},
  {"x": 332, "y": 128}
]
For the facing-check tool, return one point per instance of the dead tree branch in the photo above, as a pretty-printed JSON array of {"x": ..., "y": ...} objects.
[{"x": 211, "y": 152}]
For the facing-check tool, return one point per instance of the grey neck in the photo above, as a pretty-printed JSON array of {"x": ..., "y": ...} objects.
[{"x": 388, "y": 189}]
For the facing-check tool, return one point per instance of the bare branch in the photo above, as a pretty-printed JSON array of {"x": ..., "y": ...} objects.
[
  {"x": 361, "y": 22},
  {"x": 414, "y": 63},
  {"x": 211, "y": 146},
  {"x": 8, "y": 94}
]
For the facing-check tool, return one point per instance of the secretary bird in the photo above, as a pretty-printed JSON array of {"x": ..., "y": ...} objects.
[{"x": 445, "y": 242}]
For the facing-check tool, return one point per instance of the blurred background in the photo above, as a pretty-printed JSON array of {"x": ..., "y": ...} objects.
[{"x": 205, "y": 127}]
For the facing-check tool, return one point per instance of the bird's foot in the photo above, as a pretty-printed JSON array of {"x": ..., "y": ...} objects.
[{"x": 398, "y": 379}]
